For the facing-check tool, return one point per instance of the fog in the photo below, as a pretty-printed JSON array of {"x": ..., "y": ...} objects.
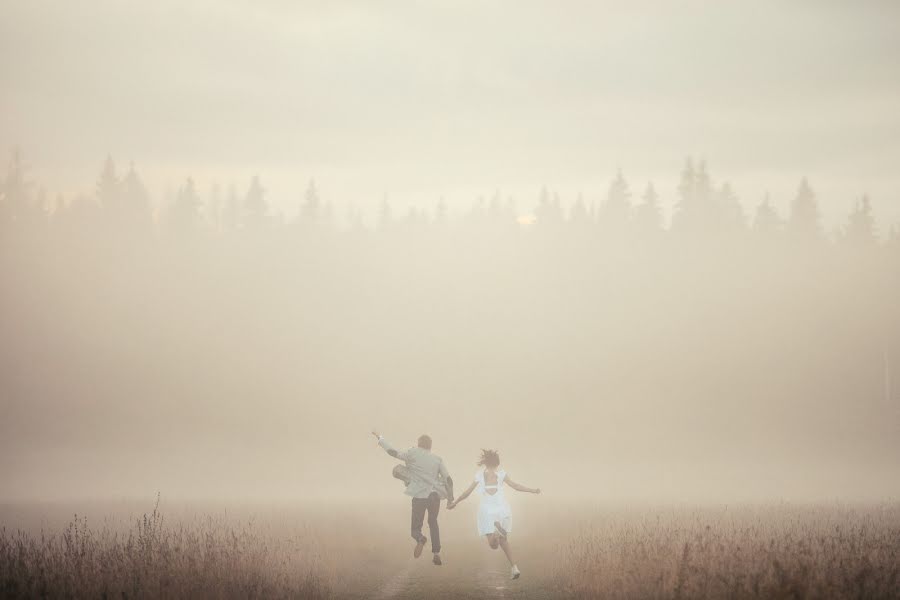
[
  {"x": 418, "y": 100},
  {"x": 604, "y": 358},
  {"x": 318, "y": 219}
]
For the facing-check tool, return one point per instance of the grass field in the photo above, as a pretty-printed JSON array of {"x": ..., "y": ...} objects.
[{"x": 771, "y": 551}]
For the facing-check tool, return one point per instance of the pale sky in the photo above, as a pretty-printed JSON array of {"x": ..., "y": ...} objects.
[{"x": 419, "y": 100}]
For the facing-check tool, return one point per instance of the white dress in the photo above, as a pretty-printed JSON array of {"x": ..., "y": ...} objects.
[{"x": 494, "y": 506}]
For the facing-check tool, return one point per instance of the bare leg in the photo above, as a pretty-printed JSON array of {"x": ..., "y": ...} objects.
[
  {"x": 506, "y": 550},
  {"x": 492, "y": 539}
]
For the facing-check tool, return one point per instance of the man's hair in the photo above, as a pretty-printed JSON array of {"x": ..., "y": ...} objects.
[
  {"x": 425, "y": 441},
  {"x": 489, "y": 458}
]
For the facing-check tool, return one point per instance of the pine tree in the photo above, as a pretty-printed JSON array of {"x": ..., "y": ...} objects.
[
  {"x": 214, "y": 208},
  {"x": 557, "y": 208},
  {"x": 385, "y": 214},
  {"x": 579, "y": 215},
  {"x": 184, "y": 214},
  {"x": 109, "y": 192},
  {"x": 648, "y": 214},
  {"x": 685, "y": 207},
  {"x": 256, "y": 208},
  {"x": 134, "y": 201},
  {"x": 766, "y": 221},
  {"x": 479, "y": 211},
  {"x": 16, "y": 205},
  {"x": 894, "y": 237},
  {"x": 804, "y": 221},
  {"x": 730, "y": 213},
  {"x": 615, "y": 211},
  {"x": 686, "y": 185},
  {"x": 495, "y": 209},
  {"x": 512, "y": 210},
  {"x": 41, "y": 209},
  {"x": 311, "y": 207},
  {"x": 860, "y": 229},
  {"x": 440, "y": 212},
  {"x": 702, "y": 188},
  {"x": 415, "y": 217},
  {"x": 59, "y": 207},
  {"x": 548, "y": 211},
  {"x": 698, "y": 209}
]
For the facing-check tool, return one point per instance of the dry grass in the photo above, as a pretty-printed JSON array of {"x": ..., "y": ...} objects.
[
  {"x": 772, "y": 552},
  {"x": 777, "y": 551},
  {"x": 150, "y": 559}
]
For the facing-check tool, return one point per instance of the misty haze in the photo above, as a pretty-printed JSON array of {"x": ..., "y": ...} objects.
[{"x": 650, "y": 255}]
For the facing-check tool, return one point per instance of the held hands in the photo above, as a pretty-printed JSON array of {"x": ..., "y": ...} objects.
[{"x": 536, "y": 491}]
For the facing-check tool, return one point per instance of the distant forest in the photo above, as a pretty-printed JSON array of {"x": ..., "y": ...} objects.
[{"x": 703, "y": 210}]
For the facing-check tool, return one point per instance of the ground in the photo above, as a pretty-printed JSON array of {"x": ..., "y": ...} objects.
[{"x": 466, "y": 573}]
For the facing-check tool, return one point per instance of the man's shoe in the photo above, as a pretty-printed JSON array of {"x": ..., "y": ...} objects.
[
  {"x": 437, "y": 560},
  {"x": 421, "y": 544},
  {"x": 514, "y": 572}
]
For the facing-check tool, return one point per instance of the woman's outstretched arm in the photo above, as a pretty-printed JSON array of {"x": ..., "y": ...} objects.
[
  {"x": 462, "y": 496},
  {"x": 521, "y": 488}
]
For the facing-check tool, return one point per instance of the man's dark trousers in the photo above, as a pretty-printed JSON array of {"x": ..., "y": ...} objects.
[{"x": 432, "y": 504}]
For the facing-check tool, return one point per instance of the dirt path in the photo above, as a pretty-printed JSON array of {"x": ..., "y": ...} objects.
[{"x": 468, "y": 575}]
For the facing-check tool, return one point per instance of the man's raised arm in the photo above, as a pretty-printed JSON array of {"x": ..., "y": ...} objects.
[{"x": 388, "y": 448}]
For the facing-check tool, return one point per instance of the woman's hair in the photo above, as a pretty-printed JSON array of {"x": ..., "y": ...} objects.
[{"x": 489, "y": 458}]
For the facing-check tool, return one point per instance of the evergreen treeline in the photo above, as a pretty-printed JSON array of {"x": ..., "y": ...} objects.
[{"x": 703, "y": 210}]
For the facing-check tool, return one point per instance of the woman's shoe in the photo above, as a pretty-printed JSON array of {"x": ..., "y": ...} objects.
[
  {"x": 437, "y": 560},
  {"x": 514, "y": 572}
]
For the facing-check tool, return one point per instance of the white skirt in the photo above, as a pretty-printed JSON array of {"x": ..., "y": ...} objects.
[{"x": 488, "y": 512}]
